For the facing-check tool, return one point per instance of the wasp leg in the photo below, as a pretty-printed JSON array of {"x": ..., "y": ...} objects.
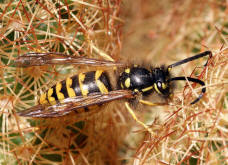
[
  {"x": 136, "y": 119},
  {"x": 150, "y": 103},
  {"x": 200, "y": 55}
]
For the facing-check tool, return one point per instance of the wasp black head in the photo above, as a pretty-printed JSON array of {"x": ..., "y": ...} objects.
[
  {"x": 161, "y": 83},
  {"x": 139, "y": 79}
]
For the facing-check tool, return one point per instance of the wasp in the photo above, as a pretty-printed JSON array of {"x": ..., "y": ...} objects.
[{"x": 94, "y": 88}]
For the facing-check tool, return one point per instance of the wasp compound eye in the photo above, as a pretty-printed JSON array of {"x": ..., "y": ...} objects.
[{"x": 159, "y": 85}]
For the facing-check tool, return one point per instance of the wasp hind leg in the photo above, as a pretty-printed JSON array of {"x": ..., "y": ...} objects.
[
  {"x": 136, "y": 119},
  {"x": 151, "y": 103}
]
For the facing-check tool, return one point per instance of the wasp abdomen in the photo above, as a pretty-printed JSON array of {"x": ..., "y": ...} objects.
[{"x": 78, "y": 85}]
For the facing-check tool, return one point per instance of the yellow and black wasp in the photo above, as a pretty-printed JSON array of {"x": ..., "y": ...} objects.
[{"x": 94, "y": 88}]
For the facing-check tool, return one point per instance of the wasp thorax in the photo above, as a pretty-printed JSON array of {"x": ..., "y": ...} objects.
[{"x": 136, "y": 79}]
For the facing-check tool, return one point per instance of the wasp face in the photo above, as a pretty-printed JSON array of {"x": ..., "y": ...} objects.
[{"x": 160, "y": 77}]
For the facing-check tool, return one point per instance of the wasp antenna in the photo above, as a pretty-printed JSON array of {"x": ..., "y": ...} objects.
[
  {"x": 206, "y": 53},
  {"x": 192, "y": 80}
]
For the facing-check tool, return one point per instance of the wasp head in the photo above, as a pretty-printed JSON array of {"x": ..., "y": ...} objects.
[{"x": 161, "y": 84}]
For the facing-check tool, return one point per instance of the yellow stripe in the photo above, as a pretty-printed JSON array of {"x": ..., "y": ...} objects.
[
  {"x": 84, "y": 88},
  {"x": 43, "y": 99},
  {"x": 136, "y": 90},
  {"x": 70, "y": 90},
  {"x": 51, "y": 99},
  {"x": 98, "y": 74},
  {"x": 59, "y": 94},
  {"x": 127, "y": 70},
  {"x": 127, "y": 82},
  {"x": 147, "y": 89},
  {"x": 156, "y": 88},
  {"x": 121, "y": 85},
  {"x": 164, "y": 86},
  {"x": 100, "y": 85},
  {"x": 148, "y": 103}
]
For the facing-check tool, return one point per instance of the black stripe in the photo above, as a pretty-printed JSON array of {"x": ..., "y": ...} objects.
[
  {"x": 90, "y": 82},
  {"x": 64, "y": 89},
  {"x": 105, "y": 80},
  {"x": 54, "y": 93},
  {"x": 75, "y": 85}
]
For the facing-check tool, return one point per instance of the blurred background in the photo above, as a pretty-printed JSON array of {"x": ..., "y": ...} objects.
[{"x": 145, "y": 32}]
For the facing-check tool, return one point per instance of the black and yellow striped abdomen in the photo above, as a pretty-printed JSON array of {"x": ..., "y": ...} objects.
[{"x": 78, "y": 85}]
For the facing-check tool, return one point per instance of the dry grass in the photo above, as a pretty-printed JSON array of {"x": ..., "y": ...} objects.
[{"x": 154, "y": 32}]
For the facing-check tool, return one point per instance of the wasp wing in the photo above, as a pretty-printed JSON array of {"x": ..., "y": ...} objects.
[
  {"x": 70, "y": 104},
  {"x": 55, "y": 58}
]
